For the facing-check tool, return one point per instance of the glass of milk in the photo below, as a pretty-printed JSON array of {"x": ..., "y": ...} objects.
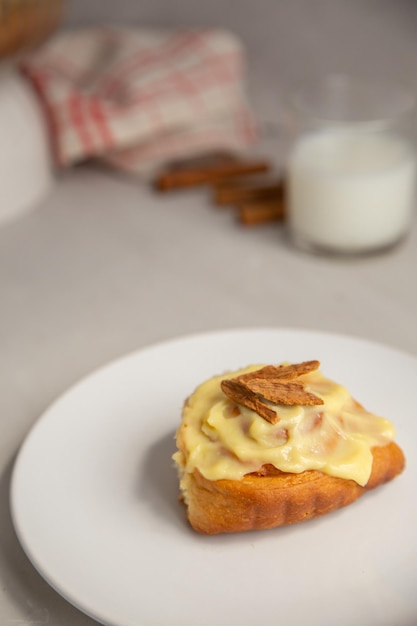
[{"x": 351, "y": 171}]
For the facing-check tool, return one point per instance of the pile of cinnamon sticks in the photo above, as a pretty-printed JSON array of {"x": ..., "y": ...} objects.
[{"x": 248, "y": 187}]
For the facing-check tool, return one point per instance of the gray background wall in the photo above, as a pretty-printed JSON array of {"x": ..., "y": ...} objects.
[{"x": 286, "y": 40}]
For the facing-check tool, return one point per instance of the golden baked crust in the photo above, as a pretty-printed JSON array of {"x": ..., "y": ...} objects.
[
  {"x": 278, "y": 498},
  {"x": 235, "y": 424}
]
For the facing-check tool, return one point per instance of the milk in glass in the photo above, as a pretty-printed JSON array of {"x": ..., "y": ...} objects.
[{"x": 350, "y": 191}]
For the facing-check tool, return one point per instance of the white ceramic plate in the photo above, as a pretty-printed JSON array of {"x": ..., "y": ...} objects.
[{"x": 94, "y": 499}]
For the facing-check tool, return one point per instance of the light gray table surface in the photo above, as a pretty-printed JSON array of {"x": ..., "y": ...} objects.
[{"x": 106, "y": 266}]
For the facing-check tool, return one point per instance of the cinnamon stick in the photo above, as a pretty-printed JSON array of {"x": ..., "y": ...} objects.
[
  {"x": 195, "y": 175},
  {"x": 247, "y": 190},
  {"x": 254, "y": 213}
]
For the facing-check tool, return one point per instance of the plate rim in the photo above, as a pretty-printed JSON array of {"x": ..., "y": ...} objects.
[{"x": 114, "y": 364}]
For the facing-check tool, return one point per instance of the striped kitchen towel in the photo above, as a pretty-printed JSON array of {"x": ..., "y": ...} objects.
[{"x": 137, "y": 98}]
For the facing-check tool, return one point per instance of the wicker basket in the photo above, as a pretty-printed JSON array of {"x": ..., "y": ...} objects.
[{"x": 26, "y": 23}]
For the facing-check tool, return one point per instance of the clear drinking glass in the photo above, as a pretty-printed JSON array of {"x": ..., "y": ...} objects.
[{"x": 351, "y": 170}]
